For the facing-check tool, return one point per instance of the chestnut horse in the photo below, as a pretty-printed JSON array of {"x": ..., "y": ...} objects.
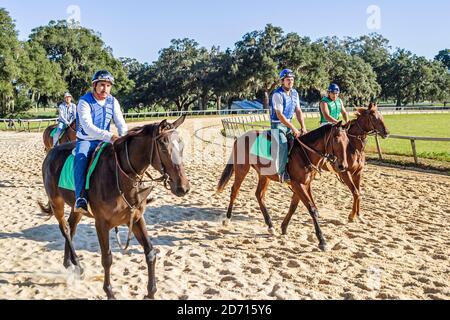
[
  {"x": 328, "y": 143},
  {"x": 116, "y": 195},
  {"x": 69, "y": 135},
  {"x": 367, "y": 121}
]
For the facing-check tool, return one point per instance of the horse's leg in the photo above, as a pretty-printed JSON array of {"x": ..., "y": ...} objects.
[
  {"x": 357, "y": 177},
  {"x": 260, "y": 195},
  {"x": 74, "y": 219},
  {"x": 103, "y": 238},
  {"x": 312, "y": 198},
  {"x": 58, "y": 210},
  {"x": 287, "y": 219},
  {"x": 141, "y": 234},
  {"x": 348, "y": 180},
  {"x": 302, "y": 191},
  {"x": 240, "y": 172}
]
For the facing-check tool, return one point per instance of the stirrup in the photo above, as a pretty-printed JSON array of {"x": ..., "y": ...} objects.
[{"x": 81, "y": 205}]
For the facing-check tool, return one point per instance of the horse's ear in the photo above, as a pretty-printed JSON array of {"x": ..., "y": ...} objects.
[
  {"x": 179, "y": 122},
  {"x": 163, "y": 125},
  {"x": 339, "y": 124},
  {"x": 373, "y": 106}
]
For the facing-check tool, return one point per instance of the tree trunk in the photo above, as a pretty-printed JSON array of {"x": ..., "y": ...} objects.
[
  {"x": 266, "y": 100},
  {"x": 399, "y": 101},
  {"x": 219, "y": 103},
  {"x": 205, "y": 101}
]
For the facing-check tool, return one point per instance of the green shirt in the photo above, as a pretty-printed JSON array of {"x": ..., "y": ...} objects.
[{"x": 334, "y": 107}]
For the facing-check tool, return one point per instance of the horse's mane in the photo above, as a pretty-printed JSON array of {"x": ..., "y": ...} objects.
[
  {"x": 147, "y": 130},
  {"x": 315, "y": 135},
  {"x": 358, "y": 113}
]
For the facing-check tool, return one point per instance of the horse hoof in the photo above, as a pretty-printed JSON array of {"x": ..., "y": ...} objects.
[
  {"x": 323, "y": 247},
  {"x": 149, "y": 297},
  {"x": 272, "y": 232},
  {"x": 79, "y": 271},
  {"x": 226, "y": 222},
  {"x": 351, "y": 219}
]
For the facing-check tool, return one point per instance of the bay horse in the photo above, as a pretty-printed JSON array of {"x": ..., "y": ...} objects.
[
  {"x": 116, "y": 195},
  {"x": 70, "y": 135},
  {"x": 368, "y": 121},
  {"x": 328, "y": 143}
]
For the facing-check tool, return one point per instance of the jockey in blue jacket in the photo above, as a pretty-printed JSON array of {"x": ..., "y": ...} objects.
[
  {"x": 285, "y": 103},
  {"x": 95, "y": 111},
  {"x": 67, "y": 114}
]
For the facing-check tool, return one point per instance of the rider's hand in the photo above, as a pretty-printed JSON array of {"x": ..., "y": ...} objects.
[
  {"x": 303, "y": 131},
  {"x": 114, "y": 139},
  {"x": 297, "y": 134}
]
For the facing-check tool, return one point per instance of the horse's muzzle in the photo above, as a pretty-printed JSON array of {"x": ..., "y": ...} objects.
[{"x": 181, "y": 191}]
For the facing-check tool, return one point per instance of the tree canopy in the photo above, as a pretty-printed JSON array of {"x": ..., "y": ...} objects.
[{"x": 61, "y": 56}]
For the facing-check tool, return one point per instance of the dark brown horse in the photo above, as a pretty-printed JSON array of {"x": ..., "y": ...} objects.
[
  {"x": 368, "y": 121},
  {"x": 116, "y": 195},
  {"x": 328, "y": 143},
  {"x": 69, "y": 135}
]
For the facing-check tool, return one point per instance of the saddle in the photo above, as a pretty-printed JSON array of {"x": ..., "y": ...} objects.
[
  {"x": 63, "y": 132},
  {"x": 67, "y": 178},
  {"x": 263, "y": 143}
]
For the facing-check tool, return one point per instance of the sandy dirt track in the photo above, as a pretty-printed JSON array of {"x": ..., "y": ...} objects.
[{"x": 402, "y": 252}]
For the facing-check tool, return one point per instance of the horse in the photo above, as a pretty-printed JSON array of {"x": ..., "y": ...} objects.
[
  {"x": 328, "y": 143},
  {"x": 367, "y": 121},
  {"x": 69, "y": 135},
  {"x": 116, "y": 195}
]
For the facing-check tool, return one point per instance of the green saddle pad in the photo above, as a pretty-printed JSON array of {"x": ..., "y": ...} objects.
[
  {"x": 67, "y": 178},
  {"x": 52, "y": 134},
  {"x": 261, "y": 147}
]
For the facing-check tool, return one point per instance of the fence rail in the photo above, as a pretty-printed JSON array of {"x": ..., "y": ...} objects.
[
  {"x": 236, "y": 127},
  {"x": 37, "y": 125}
]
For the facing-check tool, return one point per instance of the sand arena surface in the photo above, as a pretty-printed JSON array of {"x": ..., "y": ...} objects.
[{"x": 402, "y": 252}]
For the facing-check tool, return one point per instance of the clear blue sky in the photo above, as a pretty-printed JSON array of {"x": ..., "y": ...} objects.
[{"x": 139, "y": 29}]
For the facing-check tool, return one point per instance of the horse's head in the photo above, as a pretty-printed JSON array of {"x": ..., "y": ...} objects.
[
  {"x": 169, "y": 156},
  {"x": 339, "y": 143},
  {"x": 371, "y": 120}
]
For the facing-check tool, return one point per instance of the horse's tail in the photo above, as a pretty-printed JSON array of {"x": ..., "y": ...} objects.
[
  {"x": 46, "y": 209},
  {"x": 227, "y": 173}
]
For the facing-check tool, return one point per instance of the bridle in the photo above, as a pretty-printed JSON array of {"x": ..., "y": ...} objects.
[
  {"x": 363, "y": 137},
  {"x": 324, "y": 157},
  {"x": 137, "y": 180}
]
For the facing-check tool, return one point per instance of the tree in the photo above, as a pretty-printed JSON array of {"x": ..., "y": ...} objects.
[
  {"x": 80, "y": 52},
  {"x": 175, "y": 79},
  {"x": 257, "y": 56},
  {"x": 444, "y": 57},
  {"x": 39, "y": 78},
  {"x": 355, "y": 77},
  {"x": 309, "y": 61},
  {"x": 138, "y": 73},
  {"x": 9, "y": 46}
]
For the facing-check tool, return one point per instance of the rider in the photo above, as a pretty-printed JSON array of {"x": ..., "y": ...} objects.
[
  {"x": 285, "y": 102},
  {"x": 95, "y": 111},
  {"x": 331, "y": 107},
  {"x": 67, "y": 114}
]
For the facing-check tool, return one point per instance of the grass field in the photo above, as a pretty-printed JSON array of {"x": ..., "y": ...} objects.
[{"x": 419, "y": 125}]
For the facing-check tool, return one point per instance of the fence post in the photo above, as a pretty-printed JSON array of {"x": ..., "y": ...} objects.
[
  {"x": 380, "y": 154},
  {"x": 413, "y": 144}
]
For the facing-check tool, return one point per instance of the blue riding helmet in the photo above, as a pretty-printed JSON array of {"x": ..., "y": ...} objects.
[
  {"x": 334, "y": 88},
  {"x": 103, "y": 75},
  {"x": 287, "y": 73}
]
